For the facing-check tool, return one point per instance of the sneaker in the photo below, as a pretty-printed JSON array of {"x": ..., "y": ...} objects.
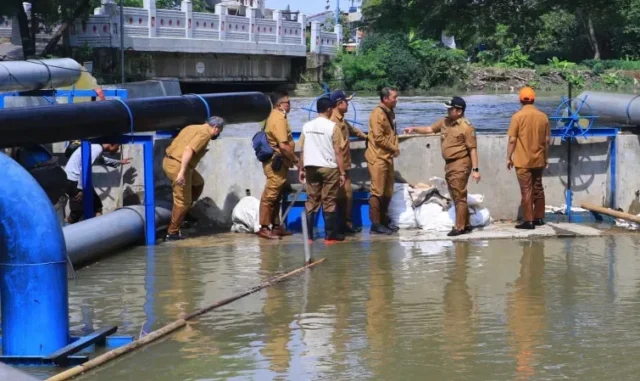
[
  {"x": 380, "y": 229},
  {"x": 539, "y": 222},
  {"x": 348, "y": 229},
  {"x": 174, "y": 237},
  {"x": 468, "y": 229},
  {"x": 527, "y": 225}
]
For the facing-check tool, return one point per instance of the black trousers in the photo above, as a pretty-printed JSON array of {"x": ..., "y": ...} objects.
[{"x": 75, "y": 205}]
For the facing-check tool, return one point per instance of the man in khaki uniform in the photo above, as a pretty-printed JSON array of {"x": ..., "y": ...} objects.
[
  {"x": 280, "y": 138},
  {"x": 340, "y": 103},
  {"x": 459, "y": 150},
  {"x": 322, "y": 168},
  {"x": 179, "y": 164},
  {"x": 529, "y": 138},
  {"x": 382, "y": 148}
]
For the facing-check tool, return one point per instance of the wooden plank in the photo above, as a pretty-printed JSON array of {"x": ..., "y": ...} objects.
[
  {"x": 610, "y": 212},
  {"x": 81, "y": 343}
]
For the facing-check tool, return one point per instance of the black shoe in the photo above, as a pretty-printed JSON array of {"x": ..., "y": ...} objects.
[
  {"x": 311, "y": 221},
  {"x": 455, "y": 232},
  {"x": 393, "y": 228},
  {"x": 539, "y": 222},
  {"x": 380, "y": 229},
  {"x": 174, "y": 237},
  {"x": 331, "y": 228},
  {"x": 527, "y": 225},
  {"x": 468, "y": 229},
  {"x": 351, "y": 230}
]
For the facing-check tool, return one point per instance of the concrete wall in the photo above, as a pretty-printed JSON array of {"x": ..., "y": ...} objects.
[{"x": 230, "y": 170}]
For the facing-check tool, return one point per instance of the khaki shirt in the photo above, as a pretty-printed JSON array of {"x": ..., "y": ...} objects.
[
  {"x": 382, "y": 138},
  {"x": 456, "y": 138},
  {"x": 278, "y": 131},
  {"x": 197, "y": 137},
  {"x": 530, "y": 127},
  {"x": 346, "y": 130}
]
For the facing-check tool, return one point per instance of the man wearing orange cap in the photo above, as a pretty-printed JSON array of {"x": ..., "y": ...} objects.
[{"x": 529, "y": 138}]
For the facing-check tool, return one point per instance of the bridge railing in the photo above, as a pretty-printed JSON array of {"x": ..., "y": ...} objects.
[
  {"x": 323, "y": 42},
  {"x": 5, "y": 27}
]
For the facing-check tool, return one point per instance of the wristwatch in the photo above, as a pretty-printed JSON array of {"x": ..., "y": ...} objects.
[{"x": 476, "y": 169}]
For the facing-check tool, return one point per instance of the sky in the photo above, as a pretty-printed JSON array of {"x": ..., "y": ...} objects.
[{"x": 308, "y": 7}]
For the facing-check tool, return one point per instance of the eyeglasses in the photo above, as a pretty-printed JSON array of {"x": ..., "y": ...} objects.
[{"x": 285, "y": 103}]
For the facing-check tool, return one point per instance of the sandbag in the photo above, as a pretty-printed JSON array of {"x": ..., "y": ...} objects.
[
  {"x": 475, "y": 199},
  {"x": 427, "y": 216},
  {"x": 401, "y": 210},
  {"x": 245, "y": 216},
  {"x": 478, "y": 217}
]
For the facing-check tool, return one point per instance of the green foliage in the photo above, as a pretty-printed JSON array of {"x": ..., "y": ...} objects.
[
  {"x": 603, "y": 65},
  {"x": 611, "y": 79},
  {"x": 516, "y": 59},
  {"x": 441, "y": 66},
  {"x": 575, "y": 79},
  {"x": 364, "y": 71},
  {"x": 561, "y": 65}
]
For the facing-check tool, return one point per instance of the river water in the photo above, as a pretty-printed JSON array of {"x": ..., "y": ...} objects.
[
  {"x": 384, "y": 310},
  {"x": 486, "y": 112}
]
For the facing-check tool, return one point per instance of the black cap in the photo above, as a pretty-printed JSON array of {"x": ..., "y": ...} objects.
[
  {"x": 338, "y": 96},
  {"x": 456, "y": 102}
]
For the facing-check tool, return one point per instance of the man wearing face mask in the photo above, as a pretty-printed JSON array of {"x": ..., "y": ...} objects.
[
  {"x": 275, "y": 169},
  {"x": 459, "y": 150},
  {"x": 179, "y": 164}
]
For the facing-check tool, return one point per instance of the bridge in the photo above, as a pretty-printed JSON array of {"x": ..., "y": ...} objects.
[{"x": 200, "y": 46}]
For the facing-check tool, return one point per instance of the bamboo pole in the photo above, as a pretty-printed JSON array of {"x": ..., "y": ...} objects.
[
  {"x": 155, "y": 335},
  {"x": 611, "y": 212}
]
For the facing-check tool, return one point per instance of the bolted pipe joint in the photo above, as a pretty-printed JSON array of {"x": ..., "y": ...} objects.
[{"x": 33, "y": 268}]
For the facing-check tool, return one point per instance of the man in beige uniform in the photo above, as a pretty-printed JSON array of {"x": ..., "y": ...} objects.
[
  {"x": 529, "y": 138},
  {"x": 340, "y": 103},
  {"x": 459, "y": 150},
  {"x": 179, "y": 164},
  {"x": 280, "y": 139},
  {"x": 322, "y": 168},
  {"x": 382, "y": 148}
]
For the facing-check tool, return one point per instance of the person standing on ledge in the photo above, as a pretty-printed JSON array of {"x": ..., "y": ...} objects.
[
  {"x": 340, "y": 103},
  {"x": 179, "y": 164},
  {"x": 275, "y": 169},
  {"x": 322, "y": 168},
  {"x": 528, "y": 151},
  {"x": 459, "y": 150},
  {"x": 382, "y": 148}
]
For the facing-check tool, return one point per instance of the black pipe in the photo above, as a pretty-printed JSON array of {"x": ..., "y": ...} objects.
[{"x": 49, "y": 124}]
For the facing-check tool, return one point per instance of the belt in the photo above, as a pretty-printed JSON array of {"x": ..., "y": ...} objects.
[
  {"x": 171, "y": 157},
  {"x": 449, "y": 161}
]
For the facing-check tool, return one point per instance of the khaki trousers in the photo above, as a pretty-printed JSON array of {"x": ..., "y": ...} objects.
[
  {"x": 345, "y": 201},
  {"x": 532, "y": 193},
  {"x": 183, "y": 195},
  {"x": 382, "y": 181},
  {"x": 457, "y": 174},
  {"x": 272, "y": 194},
  {"x": 322, "y": 189}
]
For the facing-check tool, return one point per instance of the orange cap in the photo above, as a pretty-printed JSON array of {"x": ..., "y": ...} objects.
[{"x": 527, "y": 94}]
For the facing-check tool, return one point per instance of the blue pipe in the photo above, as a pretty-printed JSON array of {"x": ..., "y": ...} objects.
[{"x": 33, "y": 268}]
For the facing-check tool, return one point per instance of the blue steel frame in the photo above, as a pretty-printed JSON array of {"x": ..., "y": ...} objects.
[{"x": 592, "y": 133}]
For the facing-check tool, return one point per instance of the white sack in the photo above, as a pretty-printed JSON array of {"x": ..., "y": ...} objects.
[
  {"x": 245, "y": 216},
  {"x": 427, "y": 216},
  {"x": 478, "y": 217},
  {"x": 401, "y": 210},
  {"x": 475, "y": 199}
]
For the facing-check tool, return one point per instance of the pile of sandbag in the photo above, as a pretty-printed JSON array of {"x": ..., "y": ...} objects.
[
  {"x": 246, "y": 216},
  {"x": 429, "y": 207}
]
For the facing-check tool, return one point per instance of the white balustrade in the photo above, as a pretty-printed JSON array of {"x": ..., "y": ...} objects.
[{"x": 5, "y": 27}]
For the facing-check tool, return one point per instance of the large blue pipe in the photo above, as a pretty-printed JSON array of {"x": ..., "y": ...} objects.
[{"x": 33, "y": 290}]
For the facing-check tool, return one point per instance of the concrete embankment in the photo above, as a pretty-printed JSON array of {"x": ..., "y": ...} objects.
[{"x": 230, "y": 170}]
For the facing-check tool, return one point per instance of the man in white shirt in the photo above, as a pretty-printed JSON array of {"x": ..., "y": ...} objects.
[
  {"x": 74, "y": 178},
  {"x": 322, "y": 167}
]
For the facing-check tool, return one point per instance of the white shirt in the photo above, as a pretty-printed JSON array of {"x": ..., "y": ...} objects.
[
  {"x": 74, "y": 165},
  {"x": 318, "y": 143}
]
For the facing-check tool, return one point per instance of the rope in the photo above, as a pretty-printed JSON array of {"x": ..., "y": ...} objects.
[{"x": 206, "y": 105}]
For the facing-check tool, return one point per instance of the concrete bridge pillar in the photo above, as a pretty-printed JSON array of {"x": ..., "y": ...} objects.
[
  {"x": 277, "y": 15},
  {"x": 150, "y": 6},
  {"x": 315, "y": 37},
  {"x": 187, "y": 7},
  {"x": 221, "y": 11},
  {"x": 337, "y": 29}
]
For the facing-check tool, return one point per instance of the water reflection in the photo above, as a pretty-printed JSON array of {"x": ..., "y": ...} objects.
[
  {"x": 458, "y": 328},
  {"x": 526, "y": 310}
]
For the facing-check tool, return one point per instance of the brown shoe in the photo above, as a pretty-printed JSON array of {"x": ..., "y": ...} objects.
[
  {"x": 281, "y": 231},
  {"x": 266, "y": 234}
]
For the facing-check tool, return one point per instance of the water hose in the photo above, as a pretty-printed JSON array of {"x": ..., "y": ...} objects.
[{"x": 155, "y": 335}]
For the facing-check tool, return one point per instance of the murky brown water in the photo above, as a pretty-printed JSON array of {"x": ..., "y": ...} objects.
[
  {"x": 498, "y": 310},
  {"x": 484, "y": 111}
]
